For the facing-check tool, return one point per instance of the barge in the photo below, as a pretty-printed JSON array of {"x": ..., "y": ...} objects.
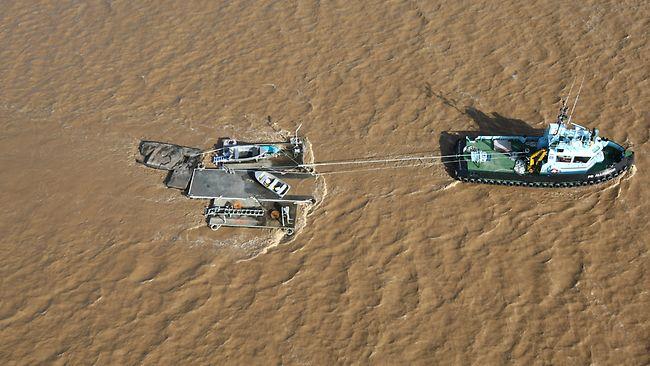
[{"x": 230, "y": 181}]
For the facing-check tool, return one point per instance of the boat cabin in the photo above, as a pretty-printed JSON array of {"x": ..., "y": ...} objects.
[{"x": 570, "y": 150}]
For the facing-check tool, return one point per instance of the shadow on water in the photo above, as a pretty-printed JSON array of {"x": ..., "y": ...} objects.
[{"x": 488, "y": 124}]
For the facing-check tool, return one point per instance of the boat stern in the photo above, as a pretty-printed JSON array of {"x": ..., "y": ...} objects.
[{"x": 457, "y": 165}]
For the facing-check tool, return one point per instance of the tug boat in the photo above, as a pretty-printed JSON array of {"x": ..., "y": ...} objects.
[
  {"x": 233, "y": 152},
  {"x": 566, "y": 155},
  {"x": 272, "y": 183}
]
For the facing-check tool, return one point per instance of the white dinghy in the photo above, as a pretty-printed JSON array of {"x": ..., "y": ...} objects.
[{"x": 272, "y": 183}]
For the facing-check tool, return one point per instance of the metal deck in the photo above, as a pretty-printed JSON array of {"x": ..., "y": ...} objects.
[
  {"x": 221, "y": 213},
  {"x": 237, "y": 185}
]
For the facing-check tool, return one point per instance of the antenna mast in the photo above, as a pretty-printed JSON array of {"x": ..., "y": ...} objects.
[
  {"x": 562, "y": 116},
  {"x": 300, "y": 125},
  {"x": 576, "y": 101}
]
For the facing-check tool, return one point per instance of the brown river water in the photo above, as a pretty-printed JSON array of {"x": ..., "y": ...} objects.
[{"x": 101, "y": 264}]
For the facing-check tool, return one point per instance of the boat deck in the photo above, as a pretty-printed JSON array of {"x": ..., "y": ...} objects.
[
  {"x": 501, "y": 162},
  {"x": 498, "y": 161}
]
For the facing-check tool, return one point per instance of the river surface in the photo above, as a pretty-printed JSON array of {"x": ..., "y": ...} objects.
[{"x": 101, "y": 264}]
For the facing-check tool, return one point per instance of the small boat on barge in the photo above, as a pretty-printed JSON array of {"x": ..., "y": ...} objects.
[
  {"x": 272, "y": 183},
  {"x": 235, "y": 152},
  {"x": 566, "y": 155}
]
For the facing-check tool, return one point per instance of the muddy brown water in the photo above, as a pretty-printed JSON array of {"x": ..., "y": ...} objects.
[{"x": 100, "y": 264}]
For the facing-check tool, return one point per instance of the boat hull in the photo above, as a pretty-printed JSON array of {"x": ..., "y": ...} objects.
[{"x": 460, "y": 172}]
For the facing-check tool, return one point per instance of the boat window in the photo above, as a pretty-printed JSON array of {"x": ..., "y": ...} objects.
[
  {"x": 563, "y": 159},
  {"x": 581, "y": 159}
]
